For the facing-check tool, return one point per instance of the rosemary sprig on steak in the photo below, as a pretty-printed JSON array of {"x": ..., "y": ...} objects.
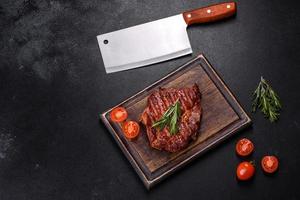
[
  {"x": 170, "y": 118},
  {"x": 265, "y": 99}
]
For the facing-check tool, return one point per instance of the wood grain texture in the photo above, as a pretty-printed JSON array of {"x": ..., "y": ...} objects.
[
  {"x": 210, "y": 13},
  {"x": 222, "y": 116}
]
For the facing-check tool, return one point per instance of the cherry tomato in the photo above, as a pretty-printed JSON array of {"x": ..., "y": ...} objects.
[
  {"x": 118, "y": 114},
  {"x": 245, "y": 171},
  {"x": 244, "y": 147},
  {"x": 131, "y": 129},
  {"x": 269, "y": 164}
]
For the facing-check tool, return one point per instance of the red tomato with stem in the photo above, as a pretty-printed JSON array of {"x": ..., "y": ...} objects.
[{"x": 245, "y": 171}]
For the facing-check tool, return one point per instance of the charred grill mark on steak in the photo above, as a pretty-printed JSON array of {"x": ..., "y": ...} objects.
[{"x": 189, "y": 123}]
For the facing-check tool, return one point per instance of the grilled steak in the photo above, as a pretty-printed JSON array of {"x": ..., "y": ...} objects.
[{"x": 189, "y": 121}]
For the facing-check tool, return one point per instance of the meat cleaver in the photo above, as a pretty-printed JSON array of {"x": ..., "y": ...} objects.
[{"x": 158, "y": 40}]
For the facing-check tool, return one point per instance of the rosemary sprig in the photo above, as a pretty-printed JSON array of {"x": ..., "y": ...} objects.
[
  {"x": 265, "y": 99},
  {"x": 170, "y": 118}
]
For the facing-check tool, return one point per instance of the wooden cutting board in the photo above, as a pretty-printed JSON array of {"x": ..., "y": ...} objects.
[{"x": 222, "y": 116}]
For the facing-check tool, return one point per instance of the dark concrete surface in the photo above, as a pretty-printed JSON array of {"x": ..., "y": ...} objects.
[{"x": 53, "y": 86}]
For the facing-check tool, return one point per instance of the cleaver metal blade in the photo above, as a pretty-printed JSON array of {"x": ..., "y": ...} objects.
[{"x": 156, "y": 41}]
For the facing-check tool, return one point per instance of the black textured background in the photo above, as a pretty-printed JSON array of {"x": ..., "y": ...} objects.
[{"x": 53, "y": 86}]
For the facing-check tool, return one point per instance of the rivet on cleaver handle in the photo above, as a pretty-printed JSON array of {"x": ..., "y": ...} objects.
[{"x": 156, "y": 41}]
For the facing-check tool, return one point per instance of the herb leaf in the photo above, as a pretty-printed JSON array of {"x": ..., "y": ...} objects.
[
  {"x": 266, "y": 99},
  {"x": 170, "y": 118}
]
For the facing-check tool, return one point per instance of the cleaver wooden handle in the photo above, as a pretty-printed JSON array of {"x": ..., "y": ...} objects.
[{"x": 210, "y": 13}]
